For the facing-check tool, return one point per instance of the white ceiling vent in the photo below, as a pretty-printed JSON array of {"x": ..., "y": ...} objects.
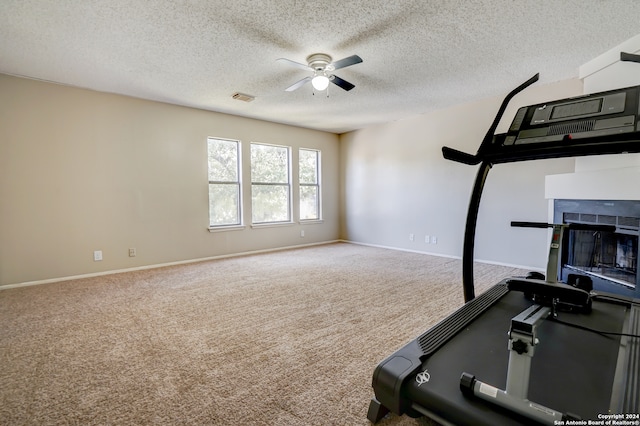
[{"x": 243, "y": 97}]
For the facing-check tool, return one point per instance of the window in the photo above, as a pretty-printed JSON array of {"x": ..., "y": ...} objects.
[
  {"x": 270, "y": 184},
  {"x": 309, "y": 175},
  {"x": 224, "y": 182}
]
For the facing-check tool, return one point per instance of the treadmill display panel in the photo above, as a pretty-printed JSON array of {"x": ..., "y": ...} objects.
[{"x": 576, "y": 109}]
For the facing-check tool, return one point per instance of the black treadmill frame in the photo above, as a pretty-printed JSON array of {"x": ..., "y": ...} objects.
[{"x": 491, "y": 151}]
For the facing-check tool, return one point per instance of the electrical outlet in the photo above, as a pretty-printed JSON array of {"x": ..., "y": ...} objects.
[
  {"x": 411, "y": 237},
  {"x": 302, "y": 233},
  {"x": 132, "y": 252},
  {"x": 427, "y": 239},
  {"x": 97, "y": 255},
  {"x": 434, "y": 240}
]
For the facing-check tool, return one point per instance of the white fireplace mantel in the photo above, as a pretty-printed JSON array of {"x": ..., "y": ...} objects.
[{"x": 610, "y": 184}]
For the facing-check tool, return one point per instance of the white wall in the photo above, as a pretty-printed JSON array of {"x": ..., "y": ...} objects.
[
  {"x": 396, "y": 183},
  {"x": 603, "y": 177},
  {"x": 83, "y": 171},
  {"x": 607, "y": 72}
]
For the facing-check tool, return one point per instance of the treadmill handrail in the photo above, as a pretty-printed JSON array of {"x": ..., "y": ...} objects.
[
  {"x": 463, "y": 157},
  {"x": 476, "y": 193}
]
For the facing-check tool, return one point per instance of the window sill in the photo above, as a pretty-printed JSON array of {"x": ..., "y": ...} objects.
[
  {"x": 226, "y": 228},
  {"x": 311, "y": 221},
  {"x": 271, "y": 224}
]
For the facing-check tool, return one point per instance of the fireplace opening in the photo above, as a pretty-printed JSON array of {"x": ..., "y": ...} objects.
[
  {"x": 609, "y": 255},
  {"x": 610, "y": 259}
]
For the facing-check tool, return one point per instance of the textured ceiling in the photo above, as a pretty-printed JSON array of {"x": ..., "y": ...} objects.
[{"x": 418, "y": 55}]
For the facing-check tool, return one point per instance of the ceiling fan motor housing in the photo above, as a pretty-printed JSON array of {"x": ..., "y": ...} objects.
[
  {"x": 322, "y": 66},
  {"x": 319, "y": 61}
]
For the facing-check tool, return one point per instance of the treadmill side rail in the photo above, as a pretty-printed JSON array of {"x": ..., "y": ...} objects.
[{"x": 390, "y": 375}]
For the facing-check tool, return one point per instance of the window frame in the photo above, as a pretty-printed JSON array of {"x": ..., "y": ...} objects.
[
  {"x": 239, "y": 224},
  {"x": 287, "y": 185},
  {"x": 317, "y": 185}
]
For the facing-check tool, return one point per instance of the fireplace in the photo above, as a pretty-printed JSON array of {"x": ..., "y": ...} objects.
[{"x": 610, "y": 259}]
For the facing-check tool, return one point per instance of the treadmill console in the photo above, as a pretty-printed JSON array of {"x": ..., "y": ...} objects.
[
  {"x": 599, "y": 114},
  {"x": 594, "y": 124}
]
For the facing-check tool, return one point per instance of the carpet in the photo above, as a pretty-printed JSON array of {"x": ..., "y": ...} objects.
[{"x": 282, "y": 338}]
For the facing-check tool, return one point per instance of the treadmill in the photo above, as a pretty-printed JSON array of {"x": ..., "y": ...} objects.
[{"x": 530, "y": 350}]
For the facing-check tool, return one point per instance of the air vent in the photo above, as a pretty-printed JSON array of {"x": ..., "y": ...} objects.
[
  {"x": 630, "y": 222},
  {"x": 621, "y": 221},
  {"x": 571, "y": 217},
  {"x": 606, "y": 219},
  {"x": 243, "y": 97}
]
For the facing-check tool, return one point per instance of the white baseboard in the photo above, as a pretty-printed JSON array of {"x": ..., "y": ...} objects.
[
  {"x": 160, "y": 265},
  {"x": 488, "y": 262},
  {"x": 402, "y": 249},
  {"x": 223, "y": 256}
]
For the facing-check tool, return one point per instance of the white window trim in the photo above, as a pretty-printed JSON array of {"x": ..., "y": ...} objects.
[
  {"x": 289, "y": 186},
  {"x": 240, "y": 224},
  {"x": 318, "y": 185}
]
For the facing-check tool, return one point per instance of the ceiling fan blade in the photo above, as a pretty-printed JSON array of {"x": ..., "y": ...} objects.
[
  {"x": 342, "y": 63},
  {"x": 298, "y": 84},
  {"x": 295, "y": 64},
  {"x": 343, "y": 84}
]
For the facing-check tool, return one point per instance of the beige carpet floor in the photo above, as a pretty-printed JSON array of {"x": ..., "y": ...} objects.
[{"x": 282, "y": 338}]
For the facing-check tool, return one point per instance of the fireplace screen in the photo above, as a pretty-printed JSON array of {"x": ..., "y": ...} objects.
[
  {"x": 609, "y": 255},
  {"x": 610, "y": 259}
]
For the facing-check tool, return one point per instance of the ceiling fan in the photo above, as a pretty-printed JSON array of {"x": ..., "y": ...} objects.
[{"x": 322, "y": 67}]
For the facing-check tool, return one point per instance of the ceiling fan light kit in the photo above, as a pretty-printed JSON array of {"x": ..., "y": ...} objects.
[
  {"x": 322, "y": 67},
  {"x": 320, "y": 82}
]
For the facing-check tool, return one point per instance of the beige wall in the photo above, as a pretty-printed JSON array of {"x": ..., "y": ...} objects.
[
  {"x": 83, "y": 171},
  {"x": 395, "y": 182}
]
